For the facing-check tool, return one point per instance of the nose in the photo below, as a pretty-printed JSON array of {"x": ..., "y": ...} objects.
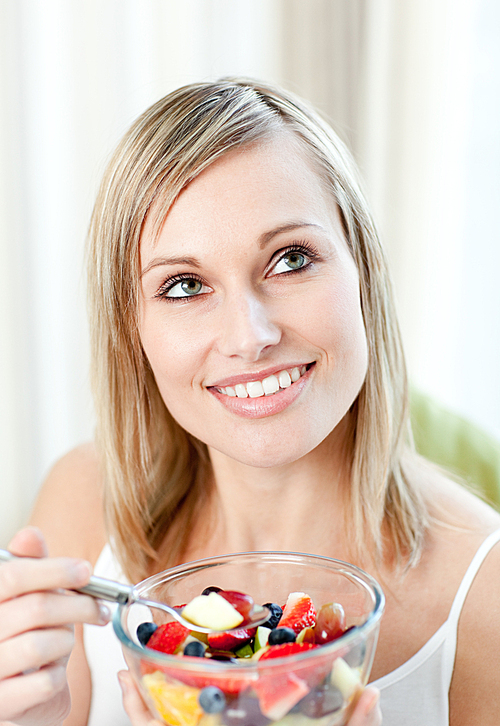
[{"x": 247, "y": 328}]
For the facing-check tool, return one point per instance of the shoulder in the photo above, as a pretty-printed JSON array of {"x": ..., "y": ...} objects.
[
  {"x": 474, "y": 694},
  {"x": 462, "y": 522},
  {"x": 69, "y": 507}
]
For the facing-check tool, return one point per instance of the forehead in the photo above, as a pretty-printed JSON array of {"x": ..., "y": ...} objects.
[{"x": 259, "y": 186}]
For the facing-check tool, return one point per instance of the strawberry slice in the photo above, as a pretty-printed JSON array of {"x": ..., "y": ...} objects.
[
  {"x": 286, "y": 649},
  {"x": 230, "y": 683},
  {"x": 168, "y": 638},
  {"x": 231, "y": 641},
  {"x": 298, "y": 613},
  {"x": 311, "y": 672},
  {"x": 278, "y": 692}
]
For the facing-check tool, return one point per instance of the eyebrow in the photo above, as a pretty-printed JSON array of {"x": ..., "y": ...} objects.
[
  {"x": 158, "y": 261},
  {"x": 265, "y": 238},
  {"x": 263, "y": 241}
]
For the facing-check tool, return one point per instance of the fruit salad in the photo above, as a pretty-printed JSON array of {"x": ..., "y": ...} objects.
[{"x": 317, "y": 690}]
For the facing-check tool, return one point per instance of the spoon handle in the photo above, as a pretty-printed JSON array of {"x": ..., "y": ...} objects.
[{"x": 98, "y": 587}]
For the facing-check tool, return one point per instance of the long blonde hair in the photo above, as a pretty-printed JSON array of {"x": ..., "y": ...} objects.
[{"x": 156, "y": 474}]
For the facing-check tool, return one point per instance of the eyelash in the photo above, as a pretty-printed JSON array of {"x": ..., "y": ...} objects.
[{"x": 303, "y": 248}]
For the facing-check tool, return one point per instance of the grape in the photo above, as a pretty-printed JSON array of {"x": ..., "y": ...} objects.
[{"x": 330, "y": 623}]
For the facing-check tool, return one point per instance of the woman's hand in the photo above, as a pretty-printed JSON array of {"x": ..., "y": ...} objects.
[
  {"x": 366, "y": 713},
  {"x": 136, "y": 709},
  {"x": 36, "y": 630}
]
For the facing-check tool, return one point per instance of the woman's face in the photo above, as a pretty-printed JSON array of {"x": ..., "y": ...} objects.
[{"x": 250, "y": 312}]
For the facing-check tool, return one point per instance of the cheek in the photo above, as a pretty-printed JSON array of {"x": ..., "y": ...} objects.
[
  {"x": 174, "y": 356},
  {"x": 336, "y": 323}
]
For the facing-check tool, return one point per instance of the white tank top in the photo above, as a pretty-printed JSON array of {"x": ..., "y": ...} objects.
[{"x": 414, "y": 694}]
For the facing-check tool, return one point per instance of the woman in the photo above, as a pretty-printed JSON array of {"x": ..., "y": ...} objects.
[{"x": 251, "y": 394}]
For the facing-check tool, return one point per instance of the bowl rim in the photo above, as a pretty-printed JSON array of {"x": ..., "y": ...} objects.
[{"x": 353, "y": 572}]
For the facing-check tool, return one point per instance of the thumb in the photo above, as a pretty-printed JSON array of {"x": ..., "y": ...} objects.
[
  {"x": 28, "y": 542},
  {"x": 135, "y": 707}
]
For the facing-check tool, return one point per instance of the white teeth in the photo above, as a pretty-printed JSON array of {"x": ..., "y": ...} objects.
[
  {"x": 270, "y": 385},
  {"x": 255, "y": 389},
  {"x": 241, "y": 390},
  {"x": 284, "y": 379},
  {"x": 266, "y": 387}
]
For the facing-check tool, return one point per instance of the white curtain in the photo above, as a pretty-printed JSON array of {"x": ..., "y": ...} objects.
[{"x": 401, "y": 80}]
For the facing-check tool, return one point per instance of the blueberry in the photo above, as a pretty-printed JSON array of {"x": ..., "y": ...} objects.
[
  {"x": 211, "y": 699},
  {"x": 275, "y": 617},
  {"x": 145, "y": 631},
  {"x": 210, "y": 589},
  {"x": 195, "y": 648},
  {"x": 321, "y": 701},
  {"x": 281, "y": 635}
]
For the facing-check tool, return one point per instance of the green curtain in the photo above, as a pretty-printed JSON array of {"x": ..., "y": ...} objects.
[{"x": 457, "y": 445}]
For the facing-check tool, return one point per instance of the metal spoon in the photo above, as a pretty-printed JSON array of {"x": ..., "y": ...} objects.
[{"x": 103, "y": 589}]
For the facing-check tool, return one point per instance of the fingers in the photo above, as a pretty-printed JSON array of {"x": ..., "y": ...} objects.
[
  {"x": 135, "y": 707},
  {"x": 367, "y": 711},
  {"x": 28, "y": 542},
  {"x": 48, "y": 609},
  {"x": 35, "y": 650},
  {"x": 23, "y": 575},
  {"x": 36, "y": 614},
  {"x": 19, "y": 694}
]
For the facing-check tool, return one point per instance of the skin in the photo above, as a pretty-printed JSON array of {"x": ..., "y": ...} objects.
[{"x": 249, "y": 316}]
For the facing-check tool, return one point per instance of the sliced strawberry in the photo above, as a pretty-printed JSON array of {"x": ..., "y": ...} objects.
[
  {"x": 231, "y": 641},
  {"x": 168, "y": 638},
  {"x": 243, "y": 603},
  {"x": 286, "y": 649},
  {"x": 231, "y": 683},
  {"x": 311, "y": 672},
  {"x": 298, "y": 613},
  {"x": 278, "y": 692}
]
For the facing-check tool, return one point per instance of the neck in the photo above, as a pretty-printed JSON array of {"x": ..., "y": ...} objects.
[{"x": 296, "y": 507}]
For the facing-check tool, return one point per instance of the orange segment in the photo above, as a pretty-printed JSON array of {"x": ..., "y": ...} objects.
[{"x": 176, "y": 703}]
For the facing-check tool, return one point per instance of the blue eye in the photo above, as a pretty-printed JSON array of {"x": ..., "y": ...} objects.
[
  {"x": 292, "y": 260},
  {"x": 176, "y": 288},
  {"x": 185, "y": 288}
]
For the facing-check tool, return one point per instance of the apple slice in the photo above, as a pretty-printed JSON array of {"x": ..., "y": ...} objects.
[
  {"x": 212, "y": 611},
  {"x": 261, "y": 638},
  {"x": 345, "y": 678}
]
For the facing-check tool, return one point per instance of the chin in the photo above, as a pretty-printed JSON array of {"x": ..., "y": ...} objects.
[{"x": 267, "y": 453}]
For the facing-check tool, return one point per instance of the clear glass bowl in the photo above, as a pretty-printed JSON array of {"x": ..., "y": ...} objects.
[{"x": 316, "y": 688}]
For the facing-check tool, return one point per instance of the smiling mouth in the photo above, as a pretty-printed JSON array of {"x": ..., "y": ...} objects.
[{"x": 267, "y": 386}]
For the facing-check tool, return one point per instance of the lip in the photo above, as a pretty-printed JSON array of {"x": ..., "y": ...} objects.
[
  {"x": 258, "y": 375},
  {"x": 263, "y": 405}
]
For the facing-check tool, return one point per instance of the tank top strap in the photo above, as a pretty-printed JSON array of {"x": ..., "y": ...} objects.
[
  {"x": 458, "y": 602},
  {"x": 469, "y": 576}
]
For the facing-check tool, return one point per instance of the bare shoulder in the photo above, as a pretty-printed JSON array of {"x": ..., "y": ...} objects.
[
  {"x": 69, "y": 507},
  {"x": 463, "y": 523},
  {"x": 474, "y": 694}
]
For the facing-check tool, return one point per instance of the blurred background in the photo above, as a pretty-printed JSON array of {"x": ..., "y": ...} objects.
[{"x": 414, "y": 89}]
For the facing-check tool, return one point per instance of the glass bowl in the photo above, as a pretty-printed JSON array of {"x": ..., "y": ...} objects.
[{"x": 317, "y": 688}]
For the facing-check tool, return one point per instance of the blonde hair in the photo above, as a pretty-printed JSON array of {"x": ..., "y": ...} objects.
[{"x": 156, "y": 474}]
